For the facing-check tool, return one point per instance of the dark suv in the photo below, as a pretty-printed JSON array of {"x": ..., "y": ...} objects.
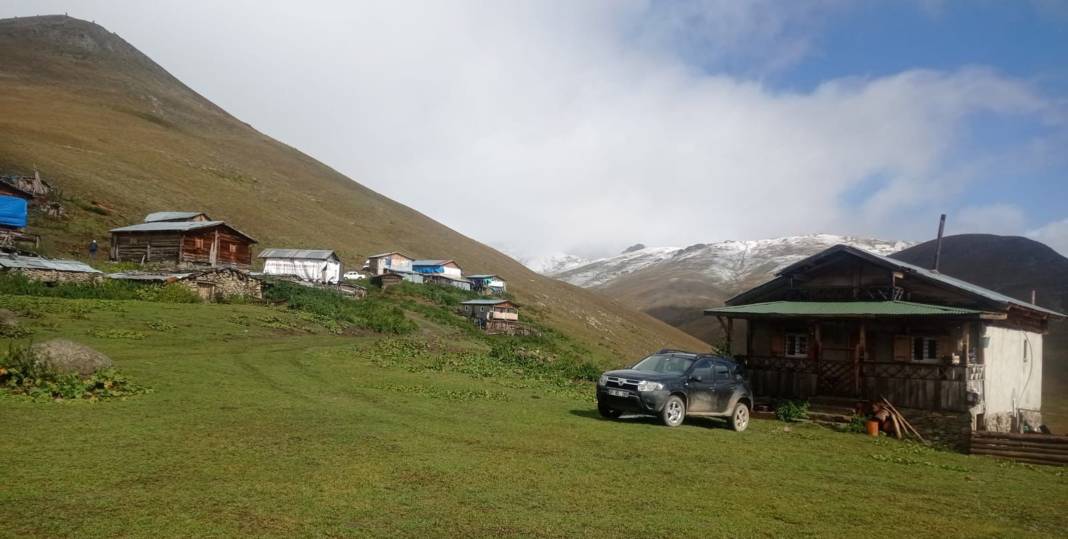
[{"x": 673, "y": 384}]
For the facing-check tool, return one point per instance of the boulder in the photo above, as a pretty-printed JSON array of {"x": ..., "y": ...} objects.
[{"x": 65, "y": 356}]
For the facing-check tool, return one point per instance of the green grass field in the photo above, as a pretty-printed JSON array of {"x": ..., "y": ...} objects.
[{"x": 262, "y": 423}]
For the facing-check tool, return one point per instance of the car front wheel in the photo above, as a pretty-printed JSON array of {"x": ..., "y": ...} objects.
[
  {"x": 740, "y": 417},
  {"x": 674, "y": 411}
]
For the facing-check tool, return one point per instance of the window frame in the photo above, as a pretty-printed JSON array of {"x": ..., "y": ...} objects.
[
  {"x": 786, "y": 345},
  {"x": 929, "y": 344}
]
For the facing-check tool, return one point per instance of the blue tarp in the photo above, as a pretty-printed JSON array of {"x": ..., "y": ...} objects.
[{"x": 12, "y": 211}]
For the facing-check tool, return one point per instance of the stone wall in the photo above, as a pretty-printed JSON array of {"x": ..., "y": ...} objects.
[
  {"x": 53, "y": 276},
  {"x": 948, "y": 429},
  {"x": 224, "y": 284}
]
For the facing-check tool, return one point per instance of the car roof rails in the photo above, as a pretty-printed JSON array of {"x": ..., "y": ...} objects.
[{"x": 673, "y": 351}]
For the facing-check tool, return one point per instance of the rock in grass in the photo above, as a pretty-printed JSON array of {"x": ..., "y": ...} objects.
[
  {"x": 63, "y": 356},
  {"x": 8, "y": 318}
]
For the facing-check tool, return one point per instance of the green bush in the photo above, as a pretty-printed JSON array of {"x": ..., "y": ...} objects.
[
  {"x": 791, "y": 411},
  {"x": 22, "y": 374},
  {"x": 374, "y": 313},
  {"x": 19, "y": 285}
]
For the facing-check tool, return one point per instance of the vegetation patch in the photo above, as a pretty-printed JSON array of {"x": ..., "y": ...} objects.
[
  {"x": 22, "y": 373},
  {"x": 374, "y": 312},
  {"x": 160, "y": 325},
  {"x": 117, "y": 333},
  {"x": 791, "y": 411},
  {"x": 19, "y": 285}
]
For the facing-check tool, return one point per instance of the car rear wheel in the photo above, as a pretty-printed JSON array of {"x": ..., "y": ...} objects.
[
  {"x": 607, "y": 412},
  {"x": 740, "y": 417},
  {"x": 674, "y": 411}
]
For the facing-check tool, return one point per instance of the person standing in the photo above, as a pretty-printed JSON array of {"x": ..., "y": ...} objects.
[{"x": 92, "y": 249}]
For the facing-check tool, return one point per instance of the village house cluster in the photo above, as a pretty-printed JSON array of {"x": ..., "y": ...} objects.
[{"x": 215, "y": 259}]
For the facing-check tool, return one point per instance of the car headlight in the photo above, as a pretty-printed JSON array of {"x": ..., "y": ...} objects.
[
  {"x": 646, "y": 385},
  {"x": 603, "y": 380}
]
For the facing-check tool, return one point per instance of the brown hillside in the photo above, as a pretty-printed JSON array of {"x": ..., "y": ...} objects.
[{"x": 112, "y": 128}]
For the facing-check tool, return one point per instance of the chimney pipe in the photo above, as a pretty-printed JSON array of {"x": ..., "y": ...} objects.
[
  {"x": 938, "y": 245},
  {"x": 1034, "y": 296}
]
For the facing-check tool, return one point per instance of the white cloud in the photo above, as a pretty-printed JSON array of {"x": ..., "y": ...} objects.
[
  {"x": 992, "y": 219},
  {"x": 582, "y": 124},
  {"x": 1054, "y": 234}
]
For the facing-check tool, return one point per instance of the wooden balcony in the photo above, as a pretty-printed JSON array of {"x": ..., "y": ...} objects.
[{"x": 925, "y": 386}]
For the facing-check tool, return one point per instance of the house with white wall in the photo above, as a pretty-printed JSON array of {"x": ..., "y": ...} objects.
[{"x": 314, "y": 265}]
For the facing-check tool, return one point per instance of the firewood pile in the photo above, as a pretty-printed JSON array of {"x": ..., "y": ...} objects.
[{"x": 892, "y": 422}]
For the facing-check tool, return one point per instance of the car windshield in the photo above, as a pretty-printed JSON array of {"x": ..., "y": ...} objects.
[{"x": 664, "y": 363}]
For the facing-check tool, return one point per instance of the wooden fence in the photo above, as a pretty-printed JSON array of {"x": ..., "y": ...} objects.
[{"x": 1030, "y": 448}]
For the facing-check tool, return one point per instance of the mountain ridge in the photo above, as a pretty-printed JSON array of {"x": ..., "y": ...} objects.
[{"x": 115, "y": 130}]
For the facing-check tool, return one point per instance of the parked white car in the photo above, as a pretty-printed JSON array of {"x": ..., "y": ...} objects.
[{"x": 353, "y": 276}]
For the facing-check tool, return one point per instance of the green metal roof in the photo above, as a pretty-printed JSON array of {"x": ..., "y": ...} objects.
[{"x": 846, "y": 309}]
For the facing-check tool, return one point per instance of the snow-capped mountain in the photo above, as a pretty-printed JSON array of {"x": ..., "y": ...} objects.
[
  {"x": 675, "y": 284},
  {"x": 723, "y": 262},
  {"x": 554, "y": 263}
]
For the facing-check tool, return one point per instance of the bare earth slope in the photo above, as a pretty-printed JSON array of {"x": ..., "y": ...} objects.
[{"x": 113, "y": 129}]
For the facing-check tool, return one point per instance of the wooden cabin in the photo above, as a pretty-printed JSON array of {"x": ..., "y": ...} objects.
[
  {"x": 391, "y": 278},
  {"x": 492, "y": 315},
  {"x": 448, "y": 280},
  {"x": 183, "y": 243},
  {"x": 850, "y": 324},
  {"x": 315, "y": 265},
  {"x": 383, "y": 263},
  {"x": 488, "y": 284},
  {"x": 171, "y": 216}
]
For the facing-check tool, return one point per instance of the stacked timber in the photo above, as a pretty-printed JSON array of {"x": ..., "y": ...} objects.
[{"x": 1029, "y": 448}]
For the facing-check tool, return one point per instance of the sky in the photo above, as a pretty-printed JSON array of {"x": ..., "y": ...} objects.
[{"x": 585, "y": 127}]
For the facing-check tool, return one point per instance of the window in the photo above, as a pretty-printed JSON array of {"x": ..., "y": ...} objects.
[
  {"x": 704, "y": 370},
  {"x": 796, "y": 345},
  {"x": 199, "y": 242},
  {"x": 924, "y": 348},
  {"x": 723, "y": 372},
  {"x": 233, "y": 247}
]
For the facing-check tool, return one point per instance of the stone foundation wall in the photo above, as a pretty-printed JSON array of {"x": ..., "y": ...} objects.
[
  {"x": 226, "y": 284},
  {"x": 53, "y": 276},
  {"x": 950, "y": 429},
  {"x": 1026, "y": 420}
]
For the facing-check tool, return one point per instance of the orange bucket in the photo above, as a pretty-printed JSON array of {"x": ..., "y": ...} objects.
[{"x": 873, "y": 428}]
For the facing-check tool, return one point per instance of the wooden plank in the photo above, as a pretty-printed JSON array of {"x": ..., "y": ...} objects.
[
  {"x": 1060, "y": 459},
  {"x": 1023, "y": 437}
]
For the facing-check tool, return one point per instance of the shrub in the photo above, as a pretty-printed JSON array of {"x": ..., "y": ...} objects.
[
  {"x": 21, "y": 373},
  {"x": 168, "y": 293},
  {"x": 374, "y": 313},
  {"x": 791, "y": 411}
]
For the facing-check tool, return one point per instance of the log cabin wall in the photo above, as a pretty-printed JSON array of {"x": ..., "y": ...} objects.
[
  {"x": 233, "y": 249},
  {"x": 145, "y": 246}
]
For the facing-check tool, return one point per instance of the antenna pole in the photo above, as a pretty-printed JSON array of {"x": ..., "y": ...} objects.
[{"x": 938, "y": 245}]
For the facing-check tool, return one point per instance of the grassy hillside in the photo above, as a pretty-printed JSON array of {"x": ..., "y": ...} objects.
[
  {"x": 264, "y": 422},
  {"x": 114, "y": 130}
]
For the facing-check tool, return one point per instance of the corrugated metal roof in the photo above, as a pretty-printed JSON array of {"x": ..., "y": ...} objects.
[
  {"x": 171, "y": 215},
  {"x": 177, "y": 226},
  {"x": 168, "y": 226},
  {"x": 145, "y": 276},
  {"x": 482, "y": 276},
  {"x": 431, "y": 262},
  {"x": 485, "y": 302},
  {"x": 845, "y": 309},
  {"x": 34, "y": 262},
  {"x": 312, "y": 254},
  {"x": 380, "y": 255}
]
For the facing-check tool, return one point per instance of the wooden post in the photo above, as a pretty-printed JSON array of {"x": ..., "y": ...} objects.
[
  {"x": 857, "y": 352},
  {"x": 730, "y": 336},
  {"x": 213, "y": 255},
  {"x": 749, "y": 337}
]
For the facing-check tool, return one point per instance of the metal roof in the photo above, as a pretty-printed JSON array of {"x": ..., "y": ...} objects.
[
  {"x": 431, "y": 262},
  {"x": 311, "y": 254},
  {"x": 13, "y": 261},
  {"x": 171, "y": 215},
  {"x": 485, "y": 302},
  {"x": 177, "y": 226},
  {"x": 848, "y": 309},
  {"x": 144, "y": 276},
  {"x": 380, "y": 255},
  {"x": 908, "y": 269},
  {"x": 483, "y": 276}
]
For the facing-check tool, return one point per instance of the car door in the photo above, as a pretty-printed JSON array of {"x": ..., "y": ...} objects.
[
  {"x": 724, "y": 383},
  {"x": 700, "y": 388}
]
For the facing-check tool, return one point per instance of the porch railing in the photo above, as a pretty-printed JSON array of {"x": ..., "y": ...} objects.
[{"x": 910, "y": 385}]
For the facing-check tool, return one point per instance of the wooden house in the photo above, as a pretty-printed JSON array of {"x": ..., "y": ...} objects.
[
  {"x": 183, "y": 243},
  {"x": 849, "y": 324},
  {"x": 488, "y": 284},
  {"x": 385, "y": 262},
  {"x": 391, "y": 278},
  {"x": 492, "y": 315},
  {"x": 171, "y": 216},
  {"x": 447, "y": 268},
  {"x": 315, "y": 265}
]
